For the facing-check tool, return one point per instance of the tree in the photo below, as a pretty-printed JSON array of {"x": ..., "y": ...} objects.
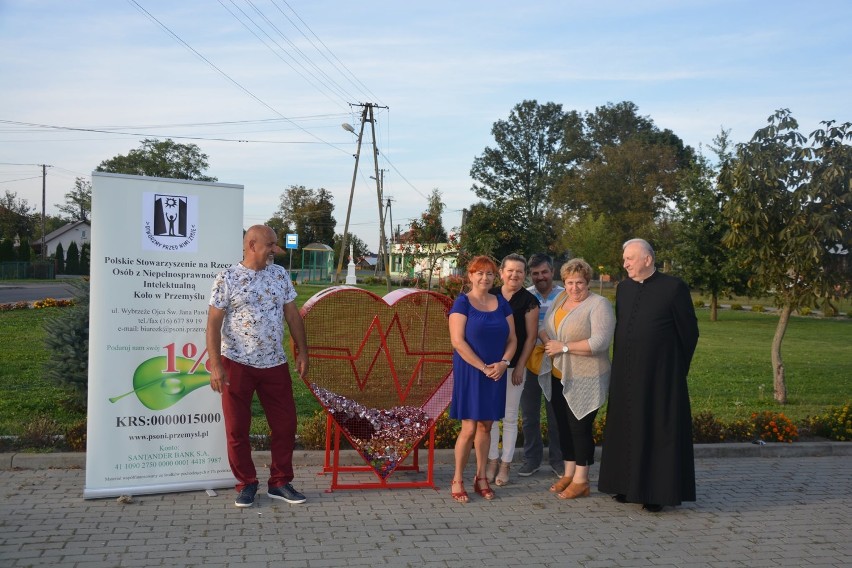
[
  {"x": 619, "y": 164},
  {"x": 425, "y": 234},
  {"x": 78, "y": 201},
  {"x": 25, "y": 251},
  {"x": 790, "y": 216},
  {"x": 308, "y": 212},
  {"x": 7, "y": 250},
  {"x": 591, "y": 238},
  {"x": 521, "y": 171},
  {"x": 59, "y": 255},
  {"x": 359, "y": 247},
  {"x": 493, "y": 231},
  {"x": 156, "y": 158},
  {"x": 699, "y": 255},
  {"x": 67, "y": 342},
  {"x": 85, "y": 253},
  {"x": 15, "y": 218},
  {"x": 72, "y": 259}
]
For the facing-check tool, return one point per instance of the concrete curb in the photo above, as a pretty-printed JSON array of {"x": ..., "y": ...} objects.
[{"x": 77, "y": 460}]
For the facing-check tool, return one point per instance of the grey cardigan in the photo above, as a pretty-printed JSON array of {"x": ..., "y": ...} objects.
[{"x": 585, "y": 378}]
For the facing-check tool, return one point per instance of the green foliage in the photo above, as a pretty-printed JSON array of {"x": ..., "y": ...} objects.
[
  {"x": 699, "y": 303},
  {"x": 78, "y": 201},
  {"x": 312, "y": 431},
  {"x": 451, "y": 286},
  {"x": 308, "y": 213},
  {"x": 446, "y": 431},
  {"x": 759, "y": 308},
  {"x": 805, "y": 311},
  {"x": 736, "y": 307},
  {"x": 167, "y": 159},
  {"x": 15, "y": 216},
  {"x": 835, "y": 423},
  {"x": 75, "y": 436},
  {"x": 739, "y": 431},
  {"x": 593, "y": 239},
  {"x": 25, "y": 252},
  {"x": 67, "y": 340},
  {"x": 85, "y": 252},
  {"x": 72, "y": 259},
  {"x": 706, "y": 428},
  {"x": 7, "y": 250},
  {"x": 59, "y": 255},
  {"x": 772, "y": 426}
]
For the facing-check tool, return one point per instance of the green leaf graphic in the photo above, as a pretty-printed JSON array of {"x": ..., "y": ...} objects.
[{"x": 158, "y": 390}]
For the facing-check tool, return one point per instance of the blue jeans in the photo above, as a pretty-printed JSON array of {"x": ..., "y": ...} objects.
[{"x": 531, "y": 415}]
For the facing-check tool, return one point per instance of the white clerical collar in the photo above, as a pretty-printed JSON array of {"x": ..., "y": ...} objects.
[{"x": 652, "y": 273}]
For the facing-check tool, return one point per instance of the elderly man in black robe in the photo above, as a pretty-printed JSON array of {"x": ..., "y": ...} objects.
[{"x": 647, "y": 447}]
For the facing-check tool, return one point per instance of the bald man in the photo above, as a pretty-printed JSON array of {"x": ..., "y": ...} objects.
[
  {"x": 647, "y": 447},
  {"x": 245, "y": 331}
]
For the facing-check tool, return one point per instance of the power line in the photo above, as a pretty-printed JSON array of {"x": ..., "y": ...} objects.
[{"x": 221, "y": 72}]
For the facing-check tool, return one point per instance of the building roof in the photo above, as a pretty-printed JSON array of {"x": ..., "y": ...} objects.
[{"x": 64, "y": 229}]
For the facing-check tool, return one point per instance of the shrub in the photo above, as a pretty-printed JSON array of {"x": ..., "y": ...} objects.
[
  {"x": 67, "y": 340},
  {"x": 834, "y": 424},
  {"x": 312, "y": 431},
  {"x": 39, "y": 434},
  {"x": 598, "y": 429},
  {"x": 757, "y": 308},
  {"x": 451, "y": 286},
  {"x": 446, "y": 431},
  {"x": 706, "y": 428},
  {"x": 738, "y": 431},
  {"x": 805, "y": 311},
  {"x": 736, "y": 306},
  {"x": 699, "y": 303},
  {"x": 774, "y": 427},
  {"x": 829, "y": 311},
  {"x": 75, "y": 436}
]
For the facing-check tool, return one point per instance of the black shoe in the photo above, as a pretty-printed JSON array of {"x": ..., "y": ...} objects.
[
  {"x": 652, "y": 508},
  {"x": 246, "y": 496},
  {"x": 620, "y": 497},
  {"x": 286, "y": 493}
]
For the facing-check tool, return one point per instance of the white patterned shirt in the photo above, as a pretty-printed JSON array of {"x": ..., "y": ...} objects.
[{"x": 253, "y": 302}]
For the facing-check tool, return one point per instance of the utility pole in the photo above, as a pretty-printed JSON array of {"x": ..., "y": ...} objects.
[
  {"x": 351, "y": 194},
  {"x": 389, "y": 213},
  {"x": 379, "y": 192},
  {"x": 43, "y": 207},
  {"x": 366, "y": 116}
]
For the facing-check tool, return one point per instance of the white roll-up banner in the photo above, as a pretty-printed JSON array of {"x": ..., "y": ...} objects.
[{"x": 154, "y": 423}]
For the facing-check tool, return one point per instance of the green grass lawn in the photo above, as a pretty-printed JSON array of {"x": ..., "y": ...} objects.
[{"x": 731, "y": 365}]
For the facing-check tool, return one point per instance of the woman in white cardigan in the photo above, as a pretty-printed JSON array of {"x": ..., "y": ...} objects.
[{"x": 577, "y": 333}]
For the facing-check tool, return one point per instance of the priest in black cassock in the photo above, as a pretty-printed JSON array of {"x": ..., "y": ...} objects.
[{"x": 647, "y": 447}]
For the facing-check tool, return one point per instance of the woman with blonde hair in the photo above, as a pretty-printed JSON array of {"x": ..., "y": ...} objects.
[{"x": 578, "y": 330}]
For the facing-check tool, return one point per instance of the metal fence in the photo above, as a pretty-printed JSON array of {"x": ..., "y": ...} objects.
[{"x": 41, "y": 269}]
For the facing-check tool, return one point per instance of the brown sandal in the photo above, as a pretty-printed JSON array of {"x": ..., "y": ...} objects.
[
  {"x": 574, "y": 491},
  {"x": 459, "y": 496},
  {"x": 485, "y": 492},
  {"x": 561, "y": 484}
]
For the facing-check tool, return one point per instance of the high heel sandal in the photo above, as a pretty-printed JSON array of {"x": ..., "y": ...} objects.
[
  {"x": 502, "y": 477},
  {"x": 574, "y": 491},
  {"x": 491, "y": 469},
  {"x": 561, "y": 484},
  {"x": 485, "y": 492},
  {"x": 459, "y": 496}
]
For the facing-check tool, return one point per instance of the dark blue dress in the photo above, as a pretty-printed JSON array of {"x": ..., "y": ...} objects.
[{"x": 475, "y": 396}]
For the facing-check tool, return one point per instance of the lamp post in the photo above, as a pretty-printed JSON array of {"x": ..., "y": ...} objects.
[{"x": 348, "y": 127}]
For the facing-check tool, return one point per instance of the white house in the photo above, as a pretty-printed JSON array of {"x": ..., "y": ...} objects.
[{"x": 79, "y": 232}]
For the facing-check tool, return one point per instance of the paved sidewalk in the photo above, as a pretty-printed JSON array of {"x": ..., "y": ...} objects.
[{"x": 751, "y": 511}]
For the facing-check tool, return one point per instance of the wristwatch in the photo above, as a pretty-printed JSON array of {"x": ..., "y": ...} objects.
[
  {"x": 505, "y": 361},
  {"x": 564, "y": 348}
]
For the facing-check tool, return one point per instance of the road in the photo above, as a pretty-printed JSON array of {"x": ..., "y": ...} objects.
[{"x": 11, "y": 291}]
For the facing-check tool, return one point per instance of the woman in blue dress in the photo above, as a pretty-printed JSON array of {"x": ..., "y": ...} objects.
[{"x": 483, "y": 336}]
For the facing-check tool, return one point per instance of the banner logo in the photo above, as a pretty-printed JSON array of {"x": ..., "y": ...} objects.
[{"x": 170, "y": 222}]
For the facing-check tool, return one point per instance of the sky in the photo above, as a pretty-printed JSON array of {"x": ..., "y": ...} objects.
[{"x": 263, "y": 86}]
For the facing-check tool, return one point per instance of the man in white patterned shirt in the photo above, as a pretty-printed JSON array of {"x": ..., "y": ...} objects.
[{"x": 245, "y": 331}]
